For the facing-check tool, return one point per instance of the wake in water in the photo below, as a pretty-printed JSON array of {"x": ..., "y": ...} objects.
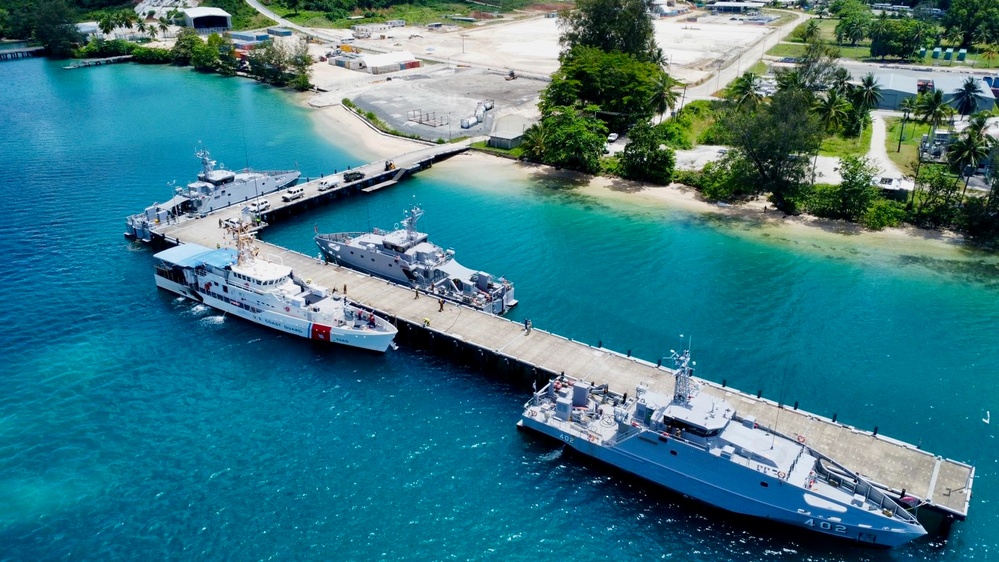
[
  {"x": 212, "y": 321},
  {"x": 554, "y": 455}
]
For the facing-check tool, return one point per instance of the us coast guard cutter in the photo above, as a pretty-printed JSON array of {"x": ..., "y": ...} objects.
[
  {"x": 699, "y": 446},
  {"x": 269, "y": 293}
]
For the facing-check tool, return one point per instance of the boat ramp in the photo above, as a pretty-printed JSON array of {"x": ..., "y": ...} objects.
[{"x": 494, "y": 344}]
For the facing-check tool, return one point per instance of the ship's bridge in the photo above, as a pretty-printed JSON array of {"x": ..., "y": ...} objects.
[
  {"x": 702, "y": 413},
  {"x": 220, "y": 177},
  {"x": 402, "y": 241},
  {"x": 262, "y": 273}
]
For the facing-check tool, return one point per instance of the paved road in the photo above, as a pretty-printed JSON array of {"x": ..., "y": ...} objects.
[
  {"x": 737, "y": 65},
  {"x": 285, "y": 23}
]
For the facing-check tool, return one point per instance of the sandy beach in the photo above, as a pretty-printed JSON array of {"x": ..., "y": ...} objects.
[{"x": 337, "y": 123}]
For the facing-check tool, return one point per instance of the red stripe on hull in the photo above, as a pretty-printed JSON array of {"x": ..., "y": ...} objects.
[{"x": 320, "y": 332}]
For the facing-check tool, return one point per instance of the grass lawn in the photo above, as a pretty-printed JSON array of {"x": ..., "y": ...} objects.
[
  {"x": 515, "y": 153},
  {"x": 787, "y": 50},
  {"x": 839, "y": 147},
  {"x": 827, "y": 30},
  {"x": 783, "y": 18},
  {"x": 760, "y": 68},
  {"x": 413, "y": 14},
  {"x": 700, "y": 121},
  {"x": 913, "y": 133},
  {"x": 860, "y": 52}
]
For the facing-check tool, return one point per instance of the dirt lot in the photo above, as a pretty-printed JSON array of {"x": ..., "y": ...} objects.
[{"x": 472, "y": 64}]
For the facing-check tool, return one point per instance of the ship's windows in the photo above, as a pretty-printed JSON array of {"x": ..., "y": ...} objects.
[
  {"x": 764, "y": 484},
  {"x": 672, "y": 452},
  {"x": 372, "y": 259},
  {"x": 225, "y": 288}
]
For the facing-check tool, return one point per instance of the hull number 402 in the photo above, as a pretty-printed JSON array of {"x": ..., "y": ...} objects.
[{"x": 826, "y": 526}]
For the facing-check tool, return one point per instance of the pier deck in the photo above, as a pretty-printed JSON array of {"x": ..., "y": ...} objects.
[
  {"x": 895, "y": 466},
  {"x": 26, "y": 52},
  {"x": 87, "y": 63}
]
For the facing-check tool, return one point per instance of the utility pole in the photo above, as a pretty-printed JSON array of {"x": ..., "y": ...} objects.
[{"x": 905, "y": 118}]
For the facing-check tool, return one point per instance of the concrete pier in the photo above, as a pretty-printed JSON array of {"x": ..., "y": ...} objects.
[
  {"x": 86, "y": 63},
  {"x": 24, "y": 53},
  {"x": 492, "y": 343}
]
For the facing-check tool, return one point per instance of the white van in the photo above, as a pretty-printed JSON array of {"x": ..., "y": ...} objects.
[
  {"x": 293, "y": 192},
  {"x": 259, "y": 206}
]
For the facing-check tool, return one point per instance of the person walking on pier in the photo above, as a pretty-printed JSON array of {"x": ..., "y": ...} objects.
[
  {"x": 417, "y": 295},
  {"x": 441, "y": 303}
]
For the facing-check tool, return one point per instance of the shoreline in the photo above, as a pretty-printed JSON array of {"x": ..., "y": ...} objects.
[{"x": 335, "y": 123}]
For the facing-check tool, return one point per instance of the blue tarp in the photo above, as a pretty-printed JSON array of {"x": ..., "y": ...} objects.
[{"x": 191, "y": 255}]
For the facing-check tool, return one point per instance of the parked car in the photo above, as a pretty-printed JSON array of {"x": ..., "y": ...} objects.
[
  {"x": 259, "y": 206},
  {"x": 612, "y": 137},
  {"x": 353, "y": 176},
  {"x": 293, "y": 192}
]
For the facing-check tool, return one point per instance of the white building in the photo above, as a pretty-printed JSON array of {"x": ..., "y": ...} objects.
[{"x": 207, "y": 19}]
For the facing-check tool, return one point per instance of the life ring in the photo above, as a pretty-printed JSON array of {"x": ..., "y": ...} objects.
[
  {"x": 287, "y": 309},
  {"x": 781, "y": 475},
  {"x": 801, "y": 439}
]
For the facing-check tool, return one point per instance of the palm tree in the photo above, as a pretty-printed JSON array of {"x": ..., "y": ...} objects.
[
  {"x": 663, "y": 96},
  {"x": 790, "y": 80},
  {"x": 832, "y": 110},
  {"x": 106, "y": 22},
  {"x": 744, "y": 90},
  {"x": 152, "y": 30},
  {"x": 124, "y": 18},
  {"x": 810, "y": 32},
  {"x": 841, "y": 80},
  {"x": 932, "y": 109},
  {"x": 867, "y": 95},
  {"x": 907, "y": 107},
  {"x": 978, "y": 123},
  {"x": 990, "y": 52},
  {"x": 967, "y": 153},
  {"x": 966, "y": 97},
  {"x": 535, "y": 142}
]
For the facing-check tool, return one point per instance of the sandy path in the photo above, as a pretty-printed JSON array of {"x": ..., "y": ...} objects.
[{"x": 878, "y": 154}]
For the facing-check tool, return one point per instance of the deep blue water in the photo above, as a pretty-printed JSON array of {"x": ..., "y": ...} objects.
[{"x": 137, "y": 426}]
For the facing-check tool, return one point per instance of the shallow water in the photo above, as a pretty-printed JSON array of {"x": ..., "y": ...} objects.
[{"x": 134, "y": 425}]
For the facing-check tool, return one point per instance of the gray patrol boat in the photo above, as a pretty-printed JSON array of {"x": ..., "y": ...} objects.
[
  {"x": 406, "y": 256},
  {"x": 216, "y": 188},
  {"x": 698, "y": 445}
]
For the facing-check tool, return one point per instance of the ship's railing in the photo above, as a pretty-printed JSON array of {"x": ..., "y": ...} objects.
[
  {"x": 843, "y": 479},
  {"x": 341, "y": 236}
]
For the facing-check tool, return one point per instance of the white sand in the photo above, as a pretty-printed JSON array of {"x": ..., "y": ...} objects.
[{"x": 342, "y": 127}]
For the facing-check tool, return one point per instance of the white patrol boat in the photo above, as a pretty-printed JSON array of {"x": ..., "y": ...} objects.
[
  {"x": 697, "y": 445},
  {"x": 406, "y": 256},
  {"x": 238, "y": 282},
  {"x": 216, "y": 188}
]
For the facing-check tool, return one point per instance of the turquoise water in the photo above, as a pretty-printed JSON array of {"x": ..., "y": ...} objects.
[{"x": 137, "y": 426}]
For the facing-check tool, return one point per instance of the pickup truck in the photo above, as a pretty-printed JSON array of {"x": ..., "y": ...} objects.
[{"x": 353, "y": 176}]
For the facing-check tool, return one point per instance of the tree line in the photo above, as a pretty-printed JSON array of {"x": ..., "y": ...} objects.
[
  {"x": 612, "y": 78},
  {"x": 965, "y": 22}
]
